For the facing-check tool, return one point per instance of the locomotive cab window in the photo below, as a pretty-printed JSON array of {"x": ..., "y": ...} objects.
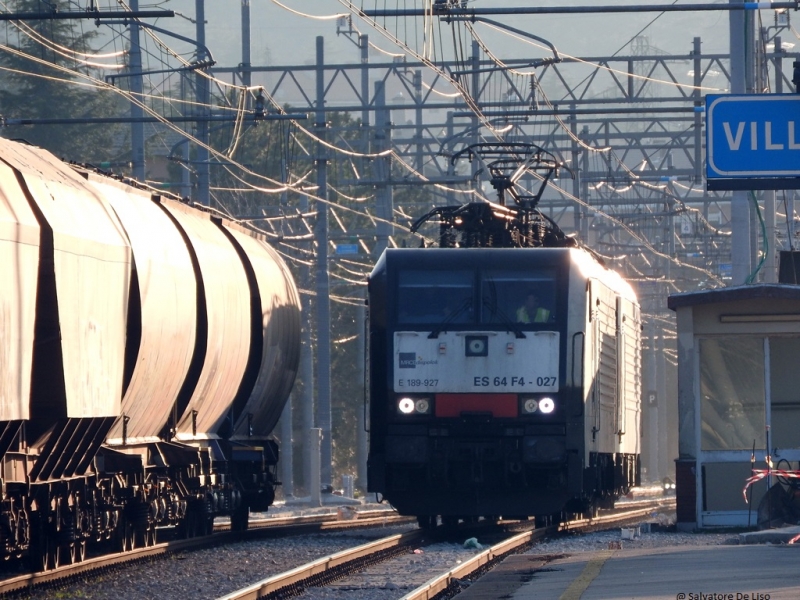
[
  {"x": 517, "y": 297},
  {"x": 435, "y": 297}
]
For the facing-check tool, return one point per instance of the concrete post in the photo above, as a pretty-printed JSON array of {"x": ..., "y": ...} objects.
[
  {"x": 186, "y": 171},
  {"x": 348, "y": 489},
  {"x": 286, "y": 450},
  {"x": 137, "y": 129},
  {"x": 315, "y": 439},
  {"x": 323, "y": 413},
  {"x": 664, "y": 459},
  {"x": 451, "y": 168},
  {"x": 363, "y": 44},
  {"x": 577, "y": 211},
  {"x": 383, "y": 170},
  {"x": 419, "y": 151},
  {"x": 202, "y": 96},
  {"x": 361, "y": 409},
  {"x": 307, "y": 398},
  {"x": 770, "y": 262},
  {"x": 246, "y": 65},
  {"x": 698, "y": 116},
  {"x": 475, "y": 81},
  {"x": 740, "y": 209},
  {"x": 650, "y": 412}
]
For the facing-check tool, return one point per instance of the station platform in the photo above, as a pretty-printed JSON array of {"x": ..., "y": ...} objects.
[
  {"x": 744, "y": 572},
  {"x": 780, "y": 535}
]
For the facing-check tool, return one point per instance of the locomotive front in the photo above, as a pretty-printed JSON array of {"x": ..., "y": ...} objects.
[{"x": 473, "y": 410}]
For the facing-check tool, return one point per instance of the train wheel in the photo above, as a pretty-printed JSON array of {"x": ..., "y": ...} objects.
[
  {"x": 449, "y": 522},
  {"x": 541, "y": 521},
  {"x": 128, "y": 536},
  {"x": 191, "y": 524},
  {"x": 53, "y": 554},
  {"x": 197, "y": 520},
  {"x": 140, "y": 536},
  {"x": 240, "y": 519},
  {"x": 71, "y": 553},
  {"x": 150, "y": 536},
  {"x": 40, "y": 555}
]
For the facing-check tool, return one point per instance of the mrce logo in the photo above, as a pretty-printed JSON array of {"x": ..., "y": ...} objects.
[{"x": 408, "y": 360}]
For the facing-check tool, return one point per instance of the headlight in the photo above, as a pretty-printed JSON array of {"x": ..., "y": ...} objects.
[
  {"x": 531, "y": 405},
  {"x": 414, "y": 406},
  {"x": 406, "y": 406},
  {"x": 546, "y": 405}
]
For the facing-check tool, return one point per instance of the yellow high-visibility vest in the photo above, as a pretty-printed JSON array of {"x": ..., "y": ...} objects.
[{"x": 542, "y": 315}]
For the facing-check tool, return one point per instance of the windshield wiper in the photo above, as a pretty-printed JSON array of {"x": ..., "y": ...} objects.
[
  {"x": 512, "y": 326},
  {"x": 450, "y": 318},
  {"x": 491, "y": 304}
]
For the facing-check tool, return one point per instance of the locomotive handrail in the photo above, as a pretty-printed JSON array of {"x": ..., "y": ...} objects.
[
  {"x": 575, "y": 335},
  {"x": 477, "y": 332},
  {"x": 366, "y": 381}
]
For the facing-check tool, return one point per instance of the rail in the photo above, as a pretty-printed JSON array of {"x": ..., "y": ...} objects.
[
  {"x": 259, "y": 528},
  {"x": 327, "y": 568},
  {"x": 443, "y": 582},
  {"x": 333, "y": 567}
]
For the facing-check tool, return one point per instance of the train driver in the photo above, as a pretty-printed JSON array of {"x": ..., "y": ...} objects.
[{"x": 532, "y": 311}]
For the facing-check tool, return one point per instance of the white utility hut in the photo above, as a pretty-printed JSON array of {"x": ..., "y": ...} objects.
[{"x": 738, "y": 389}]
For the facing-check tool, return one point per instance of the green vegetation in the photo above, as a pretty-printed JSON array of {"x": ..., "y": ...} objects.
[{"x": 45, "y": 73}]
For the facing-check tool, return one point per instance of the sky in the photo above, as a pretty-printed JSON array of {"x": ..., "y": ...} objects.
[{"x": 280, "y": 37}]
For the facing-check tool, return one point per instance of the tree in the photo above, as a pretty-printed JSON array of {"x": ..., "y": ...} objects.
[{"x": 41, "y": 78}]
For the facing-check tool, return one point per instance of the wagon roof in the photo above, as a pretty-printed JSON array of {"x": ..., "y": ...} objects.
[{"x": 733, "y": 293}]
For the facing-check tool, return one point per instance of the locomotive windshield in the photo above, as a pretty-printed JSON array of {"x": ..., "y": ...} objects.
[
  {"x": 501, "y": 297},
  {"x": 512, "y": 296},
  {"x": 434, "y": 296}
]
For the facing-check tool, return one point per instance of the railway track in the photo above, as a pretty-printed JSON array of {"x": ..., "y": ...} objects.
[
  {"x": 258, "y": 528},
  {"x": 331, "y": 568}
]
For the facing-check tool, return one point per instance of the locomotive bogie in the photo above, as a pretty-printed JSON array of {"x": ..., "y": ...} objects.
[{"x": 499, "y": 386}]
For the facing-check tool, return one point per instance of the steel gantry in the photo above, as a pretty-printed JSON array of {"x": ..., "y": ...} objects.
[{"x": 631, "y": 132}]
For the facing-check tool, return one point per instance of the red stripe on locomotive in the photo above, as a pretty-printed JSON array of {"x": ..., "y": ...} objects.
[{"x": 454, "y": 405}]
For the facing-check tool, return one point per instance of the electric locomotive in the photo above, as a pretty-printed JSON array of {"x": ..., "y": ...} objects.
[{"x": 504, "y": 372}]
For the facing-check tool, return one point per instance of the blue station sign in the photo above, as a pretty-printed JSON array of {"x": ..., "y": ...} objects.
[{"x": 752, "y": 136}]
